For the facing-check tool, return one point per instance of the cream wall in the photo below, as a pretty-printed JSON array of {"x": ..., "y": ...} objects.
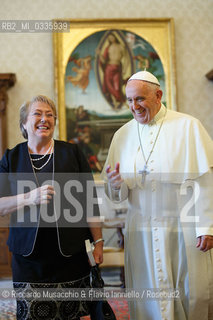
[{"x": 30, "y": 56}]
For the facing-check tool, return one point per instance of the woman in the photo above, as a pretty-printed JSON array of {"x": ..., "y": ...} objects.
[{"x": 47, "y": 252}]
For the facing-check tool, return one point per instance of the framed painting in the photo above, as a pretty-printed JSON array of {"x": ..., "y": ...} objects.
[{"x": 93, "y": 62}]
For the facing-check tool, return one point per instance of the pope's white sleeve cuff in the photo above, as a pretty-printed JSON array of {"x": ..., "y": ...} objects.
[
  {"x": 208, "y": 231},
  {"x": 204, "y": 205}
]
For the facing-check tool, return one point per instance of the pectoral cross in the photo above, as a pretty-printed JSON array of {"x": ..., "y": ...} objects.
[{"x": 144, "y": 172}]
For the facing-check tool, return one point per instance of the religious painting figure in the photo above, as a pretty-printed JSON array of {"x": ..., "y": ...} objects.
[
  {"x": 81, "y": 79},
  {"x": 83, "y": 138},
  {"x": 112, "y": 57},
  {"x": 142, "y": 62}
]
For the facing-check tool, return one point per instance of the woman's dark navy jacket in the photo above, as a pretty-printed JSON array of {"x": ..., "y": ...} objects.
[{"x": 69, "y": 163}]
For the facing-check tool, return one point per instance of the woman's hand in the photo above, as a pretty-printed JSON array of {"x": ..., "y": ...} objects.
[
  {"x": 41, "y": 195},
  {"x": 98, "y": 253}
]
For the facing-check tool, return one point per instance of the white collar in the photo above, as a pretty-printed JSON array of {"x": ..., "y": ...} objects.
[{"x": 158, "y": 116}]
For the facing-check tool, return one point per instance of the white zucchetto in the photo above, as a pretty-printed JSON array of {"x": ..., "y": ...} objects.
[{"x": 145, "y": 76}]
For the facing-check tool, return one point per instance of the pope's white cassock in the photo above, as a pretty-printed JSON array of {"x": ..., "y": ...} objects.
[{"x": 166, "y": 214}]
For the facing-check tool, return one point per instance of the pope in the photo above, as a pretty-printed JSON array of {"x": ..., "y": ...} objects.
[{"x": 161, "y": 161}]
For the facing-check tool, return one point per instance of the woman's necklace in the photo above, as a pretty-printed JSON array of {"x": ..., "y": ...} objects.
[
  {"x": 50, "y": 150},
  {"x": 37, "y": 181},
  {"x": 38, "y": 185},
  {"x": 44, "y": 155},
  {"x": 145, "y": 171}
]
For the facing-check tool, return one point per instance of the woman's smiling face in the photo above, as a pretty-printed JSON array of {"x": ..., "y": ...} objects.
[{"x": 40, "y": 121}]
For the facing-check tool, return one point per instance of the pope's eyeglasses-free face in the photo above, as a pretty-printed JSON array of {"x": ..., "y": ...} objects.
[{"x": 144, "y": 100}]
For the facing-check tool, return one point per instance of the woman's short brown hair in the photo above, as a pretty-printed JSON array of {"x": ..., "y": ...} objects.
[{"x": 25, "y": 107}]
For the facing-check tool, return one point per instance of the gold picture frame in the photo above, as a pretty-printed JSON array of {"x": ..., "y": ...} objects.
[{"x": 80, "y": 62}]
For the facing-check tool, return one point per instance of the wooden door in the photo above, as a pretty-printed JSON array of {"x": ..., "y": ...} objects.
[
  {"x": 7, "y": 80},
  {"x": 5, "y": 255}
]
